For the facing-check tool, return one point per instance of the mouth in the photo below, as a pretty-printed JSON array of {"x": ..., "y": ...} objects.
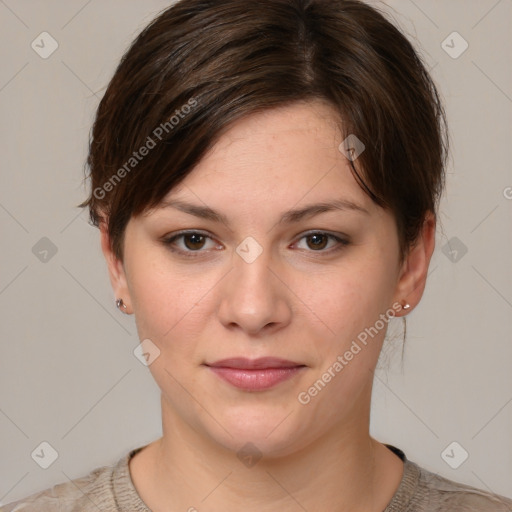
[
  {"x": 255, "y": 374},
  {"x": 263, "y": 363}
]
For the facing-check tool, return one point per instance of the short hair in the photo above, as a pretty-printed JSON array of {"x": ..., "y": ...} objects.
[{"x": 202, "y": 64}]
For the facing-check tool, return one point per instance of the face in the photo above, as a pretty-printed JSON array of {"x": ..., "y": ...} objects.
[{"x": 317, "y": 288}]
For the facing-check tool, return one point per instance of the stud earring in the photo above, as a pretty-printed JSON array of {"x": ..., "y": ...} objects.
[
  {"x": 120, "y": 304},
  {"x": 406, "y": 305}
]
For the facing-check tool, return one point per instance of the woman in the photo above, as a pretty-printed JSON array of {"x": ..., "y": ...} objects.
[{"x": 266, "y": 179}]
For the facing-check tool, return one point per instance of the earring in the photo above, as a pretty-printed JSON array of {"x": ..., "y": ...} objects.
[
  {"x": 119, "y": 304},
  {"x": 406, "y": 305}
]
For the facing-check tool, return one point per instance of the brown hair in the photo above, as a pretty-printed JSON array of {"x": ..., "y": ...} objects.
[{"x": 202, "y": 64}]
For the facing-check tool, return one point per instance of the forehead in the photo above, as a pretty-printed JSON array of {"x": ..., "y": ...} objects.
[
  {"x": 293, "y": 147},
  {"x": 280, "y": 126}
]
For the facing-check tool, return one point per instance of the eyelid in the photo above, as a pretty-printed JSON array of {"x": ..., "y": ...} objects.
[
  {"x": 168, "y": 240},
  {"x": 341, "y": 239}
]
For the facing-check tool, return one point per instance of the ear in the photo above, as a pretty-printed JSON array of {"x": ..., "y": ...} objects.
[
  {"x": 414, "y": 270},
  {"x": 116, "y": 271}
]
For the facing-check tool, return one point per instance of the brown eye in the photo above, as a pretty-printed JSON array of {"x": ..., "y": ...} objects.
[
  {"x": 189, "y": 244},
  {"x": 193, "y": 241},
  {"x": 318, "y": 240}
]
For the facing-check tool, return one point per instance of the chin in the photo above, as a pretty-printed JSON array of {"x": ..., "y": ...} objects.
[{"x": 259, "y": 433}]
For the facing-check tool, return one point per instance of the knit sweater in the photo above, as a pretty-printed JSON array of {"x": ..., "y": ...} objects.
[{"x": 110, "y": 488}]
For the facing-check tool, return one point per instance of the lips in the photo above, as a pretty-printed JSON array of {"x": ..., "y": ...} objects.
[
  {"x": 254, "y": 364},
  {"x": 255, "y": 374}
]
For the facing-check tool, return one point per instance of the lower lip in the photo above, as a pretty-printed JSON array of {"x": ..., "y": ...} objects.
[{"x": 255, "y": 380}]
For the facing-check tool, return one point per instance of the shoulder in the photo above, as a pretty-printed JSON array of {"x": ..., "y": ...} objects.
[
  {"x": 439, "y": 494},
  {"x": 91, "y": 492}
]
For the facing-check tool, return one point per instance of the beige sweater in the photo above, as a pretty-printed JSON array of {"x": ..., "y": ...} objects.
[{"x": 110, "y": 488}]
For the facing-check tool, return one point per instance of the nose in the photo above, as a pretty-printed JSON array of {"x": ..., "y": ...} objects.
[{"x": 254, "y": 297}]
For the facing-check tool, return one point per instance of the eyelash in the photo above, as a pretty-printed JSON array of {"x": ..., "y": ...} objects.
[{"x": 169, "y": 241}]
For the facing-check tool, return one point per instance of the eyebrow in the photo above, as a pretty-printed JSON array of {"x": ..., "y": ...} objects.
[{"x": 290, "y": 216}]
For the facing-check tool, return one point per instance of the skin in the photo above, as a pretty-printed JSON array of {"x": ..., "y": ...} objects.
[{"x": 296, "y": 300}]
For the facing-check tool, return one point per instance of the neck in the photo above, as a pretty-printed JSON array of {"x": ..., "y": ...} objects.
[{"x": 344, "y": 470}]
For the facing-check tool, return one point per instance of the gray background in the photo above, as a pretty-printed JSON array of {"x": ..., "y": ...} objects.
[{"x": 68, "y": 375}]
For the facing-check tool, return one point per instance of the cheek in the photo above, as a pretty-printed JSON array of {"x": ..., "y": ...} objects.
[
  {"x": 350, "y": 297},
  {"x": 169, "y": 301},
  {"x": 348, "y": 340}
]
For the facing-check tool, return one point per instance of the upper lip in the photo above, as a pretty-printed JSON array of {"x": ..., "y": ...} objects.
[{"x": 253, "y": 364}]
